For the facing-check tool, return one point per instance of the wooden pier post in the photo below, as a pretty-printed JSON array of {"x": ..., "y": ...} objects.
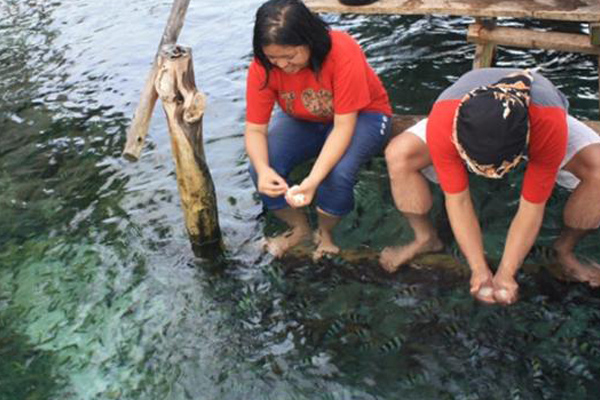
[
  {"x": 184, "y": 107},
  {"x": 485, "y": 50}
]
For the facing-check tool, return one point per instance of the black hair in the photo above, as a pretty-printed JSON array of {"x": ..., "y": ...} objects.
[{"x": 290, "y": 23}]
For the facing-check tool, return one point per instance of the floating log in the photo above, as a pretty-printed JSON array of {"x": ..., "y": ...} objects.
[
  {"x": 368, "y": 259},
  {"x": 184, "y": 107},
  {"x": 526, "y": 38},
  {"x": 136, "y": 134}
]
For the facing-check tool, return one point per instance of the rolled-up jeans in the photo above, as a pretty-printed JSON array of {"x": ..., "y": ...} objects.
[{"x": 292, "y": 141}]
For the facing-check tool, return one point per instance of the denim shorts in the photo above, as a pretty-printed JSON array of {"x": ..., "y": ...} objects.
[{"x": 292, "y": 141}]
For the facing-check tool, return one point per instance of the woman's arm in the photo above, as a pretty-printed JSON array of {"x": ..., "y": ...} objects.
[{"x": 269, "y": 181}]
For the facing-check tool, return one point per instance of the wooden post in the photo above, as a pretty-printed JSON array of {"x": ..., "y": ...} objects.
[
  {"x": 184, "y": 107},
  {"x": 484, "y": 50},
  {"x": 136, "y": 134}
]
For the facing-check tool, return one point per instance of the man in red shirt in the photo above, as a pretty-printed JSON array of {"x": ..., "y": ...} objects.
[{"x": 486, "y": 123}]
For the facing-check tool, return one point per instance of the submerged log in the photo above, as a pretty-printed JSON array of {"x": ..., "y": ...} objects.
[
  {"x": 136, "y": 134},
  {"x": 184, "y": 107},
  {"x": 368, "y": 260}
]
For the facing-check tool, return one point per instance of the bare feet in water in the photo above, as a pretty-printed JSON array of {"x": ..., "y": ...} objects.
[
  {"x": 589, "y": 272},
  {"x": 325, "y": 245},
  {"x": 279, "y": 245},
  {"x": 392, "y": 258}
]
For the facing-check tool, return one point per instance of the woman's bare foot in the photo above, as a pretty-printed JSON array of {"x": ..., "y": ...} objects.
[
  {"x": 393, "y": 257},
  {"x": 589, "y": 273},
  {"x": 279, "y": 245},
  {"x": 325, "y": 245}
]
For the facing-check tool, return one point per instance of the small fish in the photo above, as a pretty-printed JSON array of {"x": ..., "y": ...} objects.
[{"x": 391, "y": 345}]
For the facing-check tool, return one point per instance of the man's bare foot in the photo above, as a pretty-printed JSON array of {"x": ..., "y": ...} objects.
[
  {"x": 393, "y": 257},
  {"x": 279, "y": 245},
  {"x": 589, "y": 272},
  {"x": 325, "y": 245}
]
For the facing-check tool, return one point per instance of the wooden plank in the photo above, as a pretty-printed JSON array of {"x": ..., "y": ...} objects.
[
  {"x": 595, "y": 34},
  {"x": 526, "y": 38},
  {"x": 560, "y": 10}
]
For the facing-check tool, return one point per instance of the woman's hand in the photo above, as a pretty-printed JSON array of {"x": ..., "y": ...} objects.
[
  {"x": 270, "y": 183},
  {"x": 301, "y": 195}
]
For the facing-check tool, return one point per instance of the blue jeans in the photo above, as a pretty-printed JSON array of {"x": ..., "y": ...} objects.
[{"x": 293, "y": 141}]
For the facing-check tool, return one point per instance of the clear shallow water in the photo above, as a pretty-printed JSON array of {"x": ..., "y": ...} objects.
[{"x": 101, "y": 298}]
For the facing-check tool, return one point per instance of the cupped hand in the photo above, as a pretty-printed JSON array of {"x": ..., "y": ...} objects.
[
  {"x": 482, "y": 287},
  {"x": 270, "y": 183},
  {"x": 300, "y": 195},
  {"x": 506, "y": 289}
]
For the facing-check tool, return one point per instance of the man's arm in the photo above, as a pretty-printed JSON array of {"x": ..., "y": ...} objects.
[
  {"x": 467, "y": 232},
  {"x": 522, "y": 233}
]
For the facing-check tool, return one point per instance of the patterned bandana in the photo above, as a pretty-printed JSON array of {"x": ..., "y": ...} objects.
[{"x": 491, "y": 125}]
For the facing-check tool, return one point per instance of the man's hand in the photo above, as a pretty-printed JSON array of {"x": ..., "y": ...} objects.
[
  {"x": 506, "y": 289},
  {"x": 271, "y": 184},
  {"x": 482, "y": 287}
]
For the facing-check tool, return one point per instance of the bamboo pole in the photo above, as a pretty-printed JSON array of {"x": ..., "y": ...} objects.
[
  {"x": 184, "y": 107},
  {"x": 137, "y": 132}
]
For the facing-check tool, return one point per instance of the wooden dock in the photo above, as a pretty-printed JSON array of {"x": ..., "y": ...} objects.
[{"x": 486, "y": 33}]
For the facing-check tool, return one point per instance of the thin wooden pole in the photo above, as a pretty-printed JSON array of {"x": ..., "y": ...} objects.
[
  {"x": 184, "y": 107},
  {"x": 137, "y": 132}
]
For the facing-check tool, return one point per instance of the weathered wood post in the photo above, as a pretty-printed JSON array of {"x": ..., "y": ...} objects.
[
  {"x": 184, "y": 107},
  {"x": 484, "y": 51},
  {"x": 137, "y": 132},
  {"x": 172, "y": 77}
]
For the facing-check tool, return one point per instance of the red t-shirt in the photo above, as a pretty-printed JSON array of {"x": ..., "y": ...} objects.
[
  {"x": 547, "y": 148},
  {"x": 345, "y": 84}
]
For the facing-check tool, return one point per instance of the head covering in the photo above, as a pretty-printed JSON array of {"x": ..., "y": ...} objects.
[{"x": 491, "y": 125}]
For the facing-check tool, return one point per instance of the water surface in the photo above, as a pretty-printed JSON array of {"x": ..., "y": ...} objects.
[{"x": 101, "y": 297}]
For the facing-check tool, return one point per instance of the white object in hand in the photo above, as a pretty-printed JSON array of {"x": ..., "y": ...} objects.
[
  {"x": 503, "y": 294},
  {"x": 486, "y": 291},
  {"x": 299, "y": 198}
]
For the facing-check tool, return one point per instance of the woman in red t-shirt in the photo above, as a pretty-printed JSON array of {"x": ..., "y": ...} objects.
[{"x": 333, "y": 108}]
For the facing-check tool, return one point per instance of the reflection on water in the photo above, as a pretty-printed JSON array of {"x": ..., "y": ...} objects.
[{"x": 101, "y": 298}]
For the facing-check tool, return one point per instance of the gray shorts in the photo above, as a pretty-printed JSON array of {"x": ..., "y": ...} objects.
[{"x": 580, "y": 136}]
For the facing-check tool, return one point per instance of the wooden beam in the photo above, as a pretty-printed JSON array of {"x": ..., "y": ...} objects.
[
  {"x": 595, "y": 33},
  {"x": 184, "y": 106},
  {"x": 530, "y": 39},
  {"x": 559, "y": 10},
  {"x": 138, "y": 130}
]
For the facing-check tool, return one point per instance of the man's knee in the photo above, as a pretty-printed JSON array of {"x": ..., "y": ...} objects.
[{"x": 406, "y": 153}]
